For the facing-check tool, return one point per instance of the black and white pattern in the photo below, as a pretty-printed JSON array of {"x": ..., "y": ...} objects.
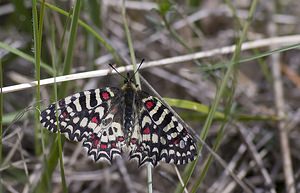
[{"x": 110, "y": 121}]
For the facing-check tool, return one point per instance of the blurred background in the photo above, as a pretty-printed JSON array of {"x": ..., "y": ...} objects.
[{"x": 187, "y": 47}]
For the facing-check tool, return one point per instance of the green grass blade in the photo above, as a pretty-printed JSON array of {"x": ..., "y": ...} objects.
[
  {"x": 60, "y": 140},
  {"x": 37, "y": 36},
  {"x": 95, "y": 11},
  {"x": 70, "y": 46},
  {"x": 191, "y": 105},
  {"x": 219, "y": 116},
  {"x": 37, "y": 56}
]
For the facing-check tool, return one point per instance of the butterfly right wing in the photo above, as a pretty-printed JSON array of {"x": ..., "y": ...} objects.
[
  {"x": 91, "y": 116},
  {"x": 160, "y": 135}
]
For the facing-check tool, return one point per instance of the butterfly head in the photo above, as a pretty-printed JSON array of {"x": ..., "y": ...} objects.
[{"x": 128, "y": 80}]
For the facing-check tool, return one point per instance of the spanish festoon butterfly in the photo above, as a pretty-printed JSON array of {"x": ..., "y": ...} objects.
[{"x": 112, "y": 120}]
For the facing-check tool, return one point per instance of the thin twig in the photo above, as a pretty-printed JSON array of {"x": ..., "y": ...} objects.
[
  {"x": 283, "y": 133},
  {"x": 280, "y": 41},
  {"x": 180, "y": 178},
  {"x": 280, "y": 107}
]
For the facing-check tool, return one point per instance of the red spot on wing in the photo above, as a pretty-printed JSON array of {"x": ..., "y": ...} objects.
[
  {"x": 113, "y": 144},
  {"x": 103, "y": 145},
  {"x": 94, "y": 120},
  {"x": 121, "y": 139},
  {"x": 96, "y": 142},
  {"x": 149, "y": 104},
  {"x": 175, "y": 141},
  {"x": 65, "y": 114},
  {"x": 146, "y": 130},
  {"x": 105, "y": 95},
  {"x": 133, "y": 140},
  {"x": 92, "y": 136}
]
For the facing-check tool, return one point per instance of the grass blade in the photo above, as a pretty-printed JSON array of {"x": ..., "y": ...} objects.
[{"x": 56, "y": 147}]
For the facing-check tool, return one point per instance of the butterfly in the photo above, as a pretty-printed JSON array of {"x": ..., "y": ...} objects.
[{"x": 109, "y": 121}]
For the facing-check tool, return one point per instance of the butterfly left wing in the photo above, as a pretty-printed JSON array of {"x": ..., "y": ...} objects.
[
  {"x": 160, "y": 134},
  {"x": 91, "y": 116}
]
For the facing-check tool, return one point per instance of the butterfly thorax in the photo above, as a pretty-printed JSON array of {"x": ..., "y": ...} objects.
[{"x": 129, "y": 90}]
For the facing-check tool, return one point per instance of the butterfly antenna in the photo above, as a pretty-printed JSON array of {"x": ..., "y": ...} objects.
[
  {"x": 117, "y": 71},
  {"x": 137, "y": 68}
]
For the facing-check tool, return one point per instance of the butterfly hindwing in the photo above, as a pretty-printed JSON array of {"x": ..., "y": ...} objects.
[
  {"x": 161, "y": 135},
  {"x": 107, "y": 143},
  {"x": 87, "y": 116}
]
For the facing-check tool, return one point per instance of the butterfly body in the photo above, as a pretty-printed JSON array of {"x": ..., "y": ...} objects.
[
  {"x": 111, "y": 120},
  {"x": 129, "y": 110}
]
